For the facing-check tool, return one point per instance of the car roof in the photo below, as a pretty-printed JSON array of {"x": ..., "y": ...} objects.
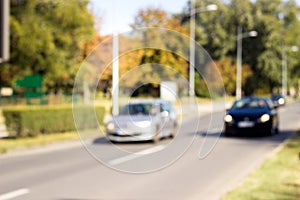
[{"x": 251, "y": 99}]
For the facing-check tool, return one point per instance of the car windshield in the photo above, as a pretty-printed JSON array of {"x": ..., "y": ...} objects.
[
  {"x": 250, "y": 104},
  {"x": 137, "y": 109}
]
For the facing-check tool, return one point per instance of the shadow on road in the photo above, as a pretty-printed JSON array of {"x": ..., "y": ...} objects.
[
  {"x": 104, "y": 140},
  {"x": 101, "y": 140},
  {"x": 278, "y": 138}
]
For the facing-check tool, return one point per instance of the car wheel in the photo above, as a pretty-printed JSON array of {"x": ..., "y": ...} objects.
[
  {"x": 273, "y": 130},
  {"x": 174, "y": 131},
  {"x": 156, "y": 138},
  {"x": 276, "y": 130},
  {"x": 270, "y": 131},
  {"x": 227, "y": 134}
]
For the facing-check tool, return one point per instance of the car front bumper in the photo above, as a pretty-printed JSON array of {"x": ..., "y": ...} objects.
[
  {"x": 130, "y": 135},
  {"x": 257, "y": 128}
]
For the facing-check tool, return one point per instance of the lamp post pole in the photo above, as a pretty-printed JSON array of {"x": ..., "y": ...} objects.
[
  {"x": 192, "y": 53},
  {"x": 239, "y": 64},
  {"x": 115, "y": 76},
  {"x": 193, "y": 12},
  {"x": 115, "y": 70},
  {"x": 4, "y": 30},
  {"x": 284, "y": 73},
  {"x": 239, "y": 38}
]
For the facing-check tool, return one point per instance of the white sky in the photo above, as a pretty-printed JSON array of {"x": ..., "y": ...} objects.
[
  {"x": 126, "y": 11},
  {"x": 117, "y": 15}
]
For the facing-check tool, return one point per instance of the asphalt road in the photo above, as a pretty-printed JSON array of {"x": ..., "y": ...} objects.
[{"x": 197, "y": 164}]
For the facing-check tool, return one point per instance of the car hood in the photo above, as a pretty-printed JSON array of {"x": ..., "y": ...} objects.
[
  {"x": 130, "y": 120},
  {"x": 255, "y": 113}
]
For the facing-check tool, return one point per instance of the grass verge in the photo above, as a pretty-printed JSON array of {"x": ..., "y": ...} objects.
[
  {"x": 9, "y": 144},
  {"x": 277, "y": 178}
]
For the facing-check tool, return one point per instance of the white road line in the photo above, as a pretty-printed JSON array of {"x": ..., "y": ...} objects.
[
  {"x": 133, "y": 156},
  {"x": 14, "y": 194}
]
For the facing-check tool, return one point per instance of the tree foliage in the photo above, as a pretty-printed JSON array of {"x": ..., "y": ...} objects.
[
  {"x": 157, "y": 18},
  {"x": 52, "y": 37},
  {"x": 278, "y": 25},
  {"x": 48, "y": 37}
]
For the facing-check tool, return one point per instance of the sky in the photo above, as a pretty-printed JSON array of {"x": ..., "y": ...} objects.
[{"x": 126, "y": 11}]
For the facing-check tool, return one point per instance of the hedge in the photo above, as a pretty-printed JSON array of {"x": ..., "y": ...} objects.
[{"x": 32, "y": 121}]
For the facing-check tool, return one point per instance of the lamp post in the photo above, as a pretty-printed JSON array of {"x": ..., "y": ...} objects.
[
  {"x": 284, "y": 68},
  {"x": 193, "y": 11},
  {"x": 115, "y": 70},
  {"x": 239, "y": 38},
  {"x": 4, "y": 30}
]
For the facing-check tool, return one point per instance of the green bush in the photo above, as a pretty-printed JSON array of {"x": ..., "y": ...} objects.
[{"x": 32, "y": 121}]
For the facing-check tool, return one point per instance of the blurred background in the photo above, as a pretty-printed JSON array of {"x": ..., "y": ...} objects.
[{"x": 48, "y": 41}]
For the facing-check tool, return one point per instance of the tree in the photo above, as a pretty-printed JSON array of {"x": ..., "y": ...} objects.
[
  {"x": 269, "y": 28},
  {"x": 278, "y": 27},
  {"x": 291, "y": 24},
  {"x": 211, "y": 27},
  {"x": 216, "y": 32},
  {"x": 48, "y": 38},
  {"x": 157, "y": 18},
  {"x": 227, "y": 69}
]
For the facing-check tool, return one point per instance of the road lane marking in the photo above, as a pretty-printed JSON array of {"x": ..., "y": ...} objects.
[
  {"x": 133, "y": 156},
  {"x": 14, "y": 194}
]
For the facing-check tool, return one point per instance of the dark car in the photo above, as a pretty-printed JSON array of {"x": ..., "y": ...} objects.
[
  {"x": 278, "y": 100},
  {"x": 251, "y": 115}
]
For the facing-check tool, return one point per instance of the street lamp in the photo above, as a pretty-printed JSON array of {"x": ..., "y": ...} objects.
[
  {"x": 284, "y": 68},
  {"x": 239, "y": 38},
  {"x": 115, "y": 67},
  {"x": 4, "y": 30},
  {"x": 193, "y": 11}
]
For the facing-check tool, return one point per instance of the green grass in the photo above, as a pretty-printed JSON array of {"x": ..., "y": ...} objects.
[
  {"x": 9, "y": 144},
  {"x": 278, "y": 178}
]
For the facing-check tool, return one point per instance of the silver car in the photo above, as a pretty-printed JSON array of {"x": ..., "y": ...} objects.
[{"x": 142, "y": 121}]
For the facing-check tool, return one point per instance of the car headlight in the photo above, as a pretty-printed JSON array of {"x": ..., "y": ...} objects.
[
  {"x": 228, "y": 118},
  {"x": 110, "y": 126},
  {"x": 143, "y": 124},
  {"x": 281, "y": 101},
  {"x": 264, "y": 118}
]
